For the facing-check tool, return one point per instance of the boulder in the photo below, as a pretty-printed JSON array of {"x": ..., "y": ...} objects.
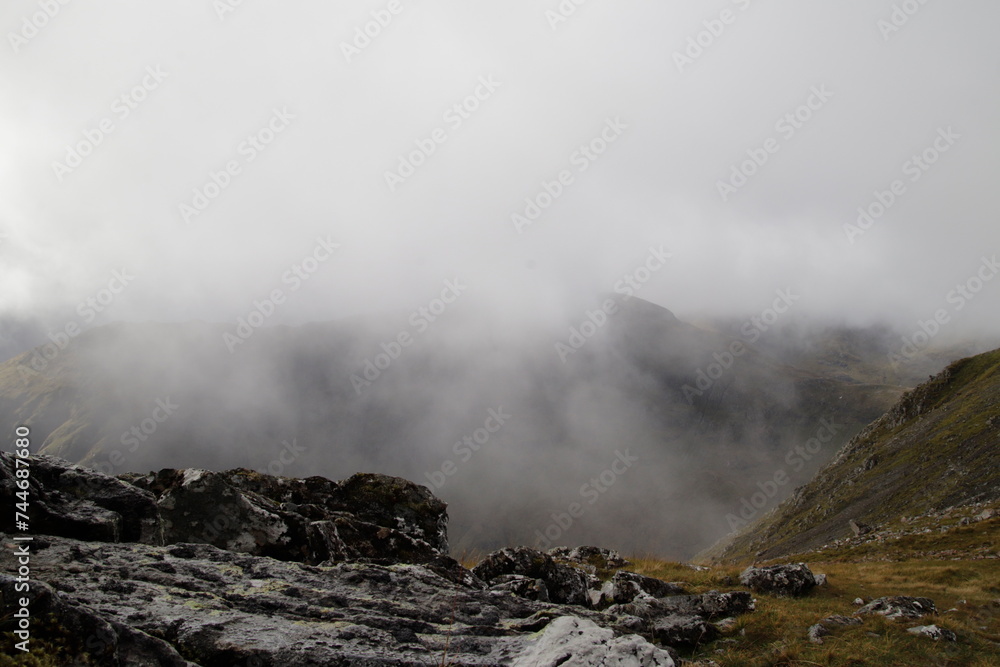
[
  {"x": 625, "y": 586},
  {"x": 899, "y": 607},
  {"x": 683, "y": 631},
  {"x": 396, "y": 503},
  {"x": 859, "y": 528},
  {"x": 564, "y": 584},
  {"x": 817, "y": 632},
  {"x": 568, "y": 640},
  {"x": 933, "y": 632},
  {"x": 785, "y": 580}
]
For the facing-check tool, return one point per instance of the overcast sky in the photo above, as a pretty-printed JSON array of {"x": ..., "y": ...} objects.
[{"x": 339, "y": 111}]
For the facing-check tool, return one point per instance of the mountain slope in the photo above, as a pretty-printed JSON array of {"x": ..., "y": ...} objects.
[
  {"x": 937, "y": 448},
  {"x": 141, "y": 396}
]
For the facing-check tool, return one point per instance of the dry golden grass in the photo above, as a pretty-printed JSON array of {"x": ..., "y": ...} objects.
[{"x": 776, "y": 633}]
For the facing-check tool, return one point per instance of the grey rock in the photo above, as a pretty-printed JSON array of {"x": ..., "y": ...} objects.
[
  {"x": 859, "y": 528},
  {"x": 683, "y": 631},
  {"x": 573, "y": 641},
  {"x": 565, "y": 584},
  {"x": 109, "y": 641},
  {"x": 707, "y": 606},
  {"x": 596, "y": 557},
  {"x": 934, "y": 632},
  {"x": 315, "y": 572},
  {"x": 899, "y": 606},
  {"x": 313, "y": 520},
  {"x": 213, "y": 606},
  {"x": 626, "y": 586},
  {"x": 711, "y": 605},
  {"x": 817, "y": 632},
  {"x": 785, "y": 580},
  {"x": 522, "y": 586}
]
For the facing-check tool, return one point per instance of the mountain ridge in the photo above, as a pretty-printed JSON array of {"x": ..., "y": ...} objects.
[{"x": 935, "y": 449}]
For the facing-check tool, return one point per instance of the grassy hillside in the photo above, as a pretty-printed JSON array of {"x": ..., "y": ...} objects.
[
  {"x": 967, "y": 595},
  {"x": 936, "y": 448}
]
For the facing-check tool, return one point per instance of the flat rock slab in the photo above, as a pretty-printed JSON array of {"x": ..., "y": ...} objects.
[
  {"x": 573, "y": 641},
  {"x": 205, "y": 605}
]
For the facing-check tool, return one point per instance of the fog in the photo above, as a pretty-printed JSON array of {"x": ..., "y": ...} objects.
[{"x": 253, "y": 165}]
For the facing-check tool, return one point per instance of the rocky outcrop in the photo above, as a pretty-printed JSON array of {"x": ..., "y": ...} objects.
[
  {"x": 374, "y": 517},
  {"x": 193, "y": 567},
  {"x": 787, "y": 580},
  {"x": 563, "y": 584}
]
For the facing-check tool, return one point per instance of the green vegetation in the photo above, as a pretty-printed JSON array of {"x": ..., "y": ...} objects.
[
  {"x": 51, "y": 645},
  {"x": 776, "y": 633},
  {"x": 935, "y": 449}
]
